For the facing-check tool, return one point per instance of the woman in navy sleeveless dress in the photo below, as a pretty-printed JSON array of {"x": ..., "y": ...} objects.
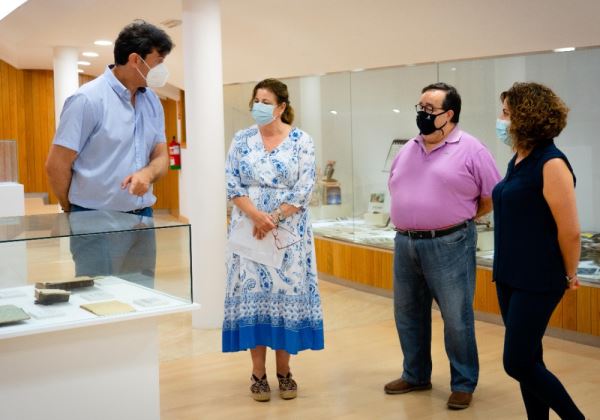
[{"x": 537, "y": 241}]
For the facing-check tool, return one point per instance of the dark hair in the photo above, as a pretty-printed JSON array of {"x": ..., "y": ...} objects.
[
  {"x": 280, "y": 90},
  {"x": 537, "y": 114},
  {"x": 452, "y": 100},
  {"x": 141, "y": 37}
]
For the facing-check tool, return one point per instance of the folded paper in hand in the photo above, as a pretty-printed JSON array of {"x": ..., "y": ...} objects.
[{"x": 268, "y": 251}]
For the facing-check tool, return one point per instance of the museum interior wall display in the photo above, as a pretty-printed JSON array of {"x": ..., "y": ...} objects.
[{"x": 359, "y": 120}]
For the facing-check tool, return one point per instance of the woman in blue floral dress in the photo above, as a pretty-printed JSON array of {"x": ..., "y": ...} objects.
[{"x": 270, "y": 176}]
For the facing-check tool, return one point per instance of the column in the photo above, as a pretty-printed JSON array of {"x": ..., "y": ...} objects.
[
  {"x": 202, "y": 187},
  {"x": 310, "y": 104},
  {"x": 66, "y": 77}
]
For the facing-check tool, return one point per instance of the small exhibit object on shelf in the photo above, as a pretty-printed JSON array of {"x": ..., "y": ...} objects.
[
  {"x": 76, "y": 283},
  {"x": 331, "y": 190},
  {"x": 96, "y": 294},
  {"x": 50, "y": 296},
  {"x": 332, "y": 193},
  {"x": 111, "y": 307},
  {"x": 150, "y": 302},
  {"x": 376, "y": 202},
  {"x": 376, "y": 216},
  {"x": 10, "y": 314},
  {"x": 329, "y": 170}
]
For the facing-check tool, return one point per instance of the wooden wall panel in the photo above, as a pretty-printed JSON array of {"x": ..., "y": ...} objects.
[
  {"x": 556, "y": 320},
  {"x": 595, "y": 311},
  {"x": 167, "y": 188},
  {"x": 578, "y": 311},
  {"x": 369, "y": 266},
  {"x": 38, "y": 103},
  {"x": 486, "y": 299},
  {"x": 569, "y": 305},
  {"x": 181, "y": 116},
  {"x": 84, "y": 78},
  {"x": 584, "y": 310},
  {"x": 12, "y": 113}
]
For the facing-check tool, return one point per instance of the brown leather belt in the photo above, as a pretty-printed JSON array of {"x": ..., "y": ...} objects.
[{"x": 430, "y": 234}]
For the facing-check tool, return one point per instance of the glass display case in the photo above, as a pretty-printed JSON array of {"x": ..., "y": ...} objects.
[
  {"x": 359, "y": 121},
  {"x": 69, "y": 269}
]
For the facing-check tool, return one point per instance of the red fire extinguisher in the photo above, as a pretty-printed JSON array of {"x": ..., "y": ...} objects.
[{"x": 174, "y": 154}]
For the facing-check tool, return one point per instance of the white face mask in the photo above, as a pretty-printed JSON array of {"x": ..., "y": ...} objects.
[{"x": 157, "y": 76}]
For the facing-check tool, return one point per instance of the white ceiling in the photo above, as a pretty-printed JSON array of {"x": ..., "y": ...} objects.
[{"x": 283, "y": 38}]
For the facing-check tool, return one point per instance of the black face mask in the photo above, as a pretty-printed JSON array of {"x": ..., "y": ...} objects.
[{"x": 426, "y": 122}]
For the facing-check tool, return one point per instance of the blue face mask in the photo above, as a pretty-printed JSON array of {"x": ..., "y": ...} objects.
[
  {"x": 262, "y": 113},
  {"x": 502, "y": 131}
]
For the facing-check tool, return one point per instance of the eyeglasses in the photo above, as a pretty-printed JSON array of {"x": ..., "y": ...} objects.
[
  {"x": 427, "y": 108},
  {"x": 284, "y": 238}
]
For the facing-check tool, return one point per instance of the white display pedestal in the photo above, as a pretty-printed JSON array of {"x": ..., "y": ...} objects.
[
  {"x": 69, "y": 364},
  {"x": 12, "y": 197},
  {"x": 95, "y": 373}
]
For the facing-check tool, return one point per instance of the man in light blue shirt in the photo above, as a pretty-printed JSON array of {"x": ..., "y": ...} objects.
[{"x": 110, "y": 148}]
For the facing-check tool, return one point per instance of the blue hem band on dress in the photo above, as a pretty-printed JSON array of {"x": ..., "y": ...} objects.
[{"x": 277, "y": 338}]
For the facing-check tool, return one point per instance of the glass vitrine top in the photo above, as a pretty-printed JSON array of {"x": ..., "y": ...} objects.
[{"x": 45, "y": 226}]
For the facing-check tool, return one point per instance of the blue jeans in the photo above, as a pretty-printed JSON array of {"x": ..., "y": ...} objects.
[
  {"x": 130, "y": 254},
  {"x": 442, "y": 269}
]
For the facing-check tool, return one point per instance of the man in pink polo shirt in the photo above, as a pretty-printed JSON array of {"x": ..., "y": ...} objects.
[{"x": 439, "y": 182}]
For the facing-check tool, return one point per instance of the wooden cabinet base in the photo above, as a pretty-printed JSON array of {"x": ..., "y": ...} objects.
[{"x": 579, "y": 310}]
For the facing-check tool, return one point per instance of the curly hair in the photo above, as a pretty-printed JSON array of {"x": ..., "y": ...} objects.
[
  {"x": 537, "y": 114},
  {"x": 280, "y": 90}
]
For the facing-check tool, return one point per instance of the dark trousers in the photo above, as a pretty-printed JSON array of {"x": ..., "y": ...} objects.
[
  {"x": 526, "y": 315},
  {"x": 130, "y": 254}
]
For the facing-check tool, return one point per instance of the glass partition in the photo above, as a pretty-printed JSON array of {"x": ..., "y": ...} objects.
[{"x": 72, "y": 269}]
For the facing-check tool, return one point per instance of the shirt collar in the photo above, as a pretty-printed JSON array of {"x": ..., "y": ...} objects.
[
  {"x": 116, "y": 85},
  {"x": 453, "y": 137}
]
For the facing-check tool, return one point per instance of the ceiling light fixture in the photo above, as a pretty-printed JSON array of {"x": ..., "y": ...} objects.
[
  {"x": 9, "y": 6},
  {"x": 89, "y": 54},
  {"x": 84, "y": 63},
  {"x": 396, "y": 110},
  {"x": 333, "y": 111},
  {"x": 103, "y": 43},
  {"x": 564, "y": 49}
]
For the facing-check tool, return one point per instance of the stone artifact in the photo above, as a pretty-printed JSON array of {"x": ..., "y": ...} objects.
[
  {"x": 77, "y": 282},
  {"x": 50, "y": 296},
  {"x": 11, "y": 313}
]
